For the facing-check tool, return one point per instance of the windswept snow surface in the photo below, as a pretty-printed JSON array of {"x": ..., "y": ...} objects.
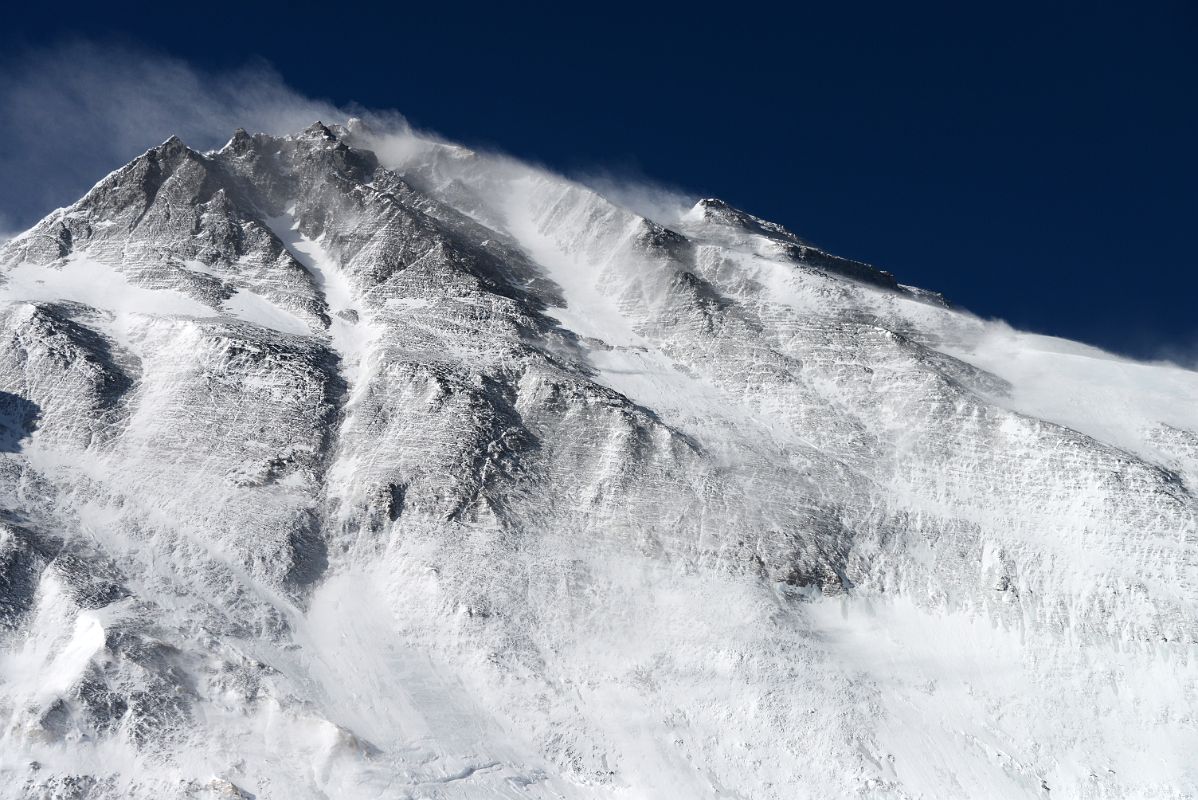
[
  {"x": 1113, "y": 399},
  {"x": 360, "y": 465},
  {"x": 349, "y": 332},
  {"x": 80, "y": 280},
  {"x": 257, "y": 310}
]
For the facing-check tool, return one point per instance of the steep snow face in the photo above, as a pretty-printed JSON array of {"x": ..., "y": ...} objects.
[{"x": 340, "y": 465}]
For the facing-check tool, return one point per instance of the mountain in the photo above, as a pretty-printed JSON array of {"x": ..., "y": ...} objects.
[{"x": 356, "y": 464}]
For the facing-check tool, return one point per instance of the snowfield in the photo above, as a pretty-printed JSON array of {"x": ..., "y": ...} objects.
[{"x": 356, "y": 464}]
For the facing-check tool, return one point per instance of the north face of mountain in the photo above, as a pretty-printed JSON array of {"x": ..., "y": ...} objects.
[{"x": 347, "y": 464}]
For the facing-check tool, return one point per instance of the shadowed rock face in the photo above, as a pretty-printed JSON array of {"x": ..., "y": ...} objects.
[{"x": 327, "y": 473}]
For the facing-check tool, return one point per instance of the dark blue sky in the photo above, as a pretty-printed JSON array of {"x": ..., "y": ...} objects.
[{"x": 1036, "y": 162}]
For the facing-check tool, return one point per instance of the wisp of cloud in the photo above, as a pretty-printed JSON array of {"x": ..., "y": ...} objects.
[
  {"x": 81, "y": 109},
  {"x": 77, "y": 111}
]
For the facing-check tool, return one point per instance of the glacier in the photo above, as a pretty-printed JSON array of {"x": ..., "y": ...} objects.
[{"x": 357, "y": 463}]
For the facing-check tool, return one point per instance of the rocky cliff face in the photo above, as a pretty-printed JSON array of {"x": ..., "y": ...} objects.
[{"x": 343, "y": 465}]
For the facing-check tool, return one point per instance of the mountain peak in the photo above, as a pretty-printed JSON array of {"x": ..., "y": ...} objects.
[
  {"x": 170, "y": 149},
  {"x": 318, "y": 130},
  {"x": 713, "y": 210}
]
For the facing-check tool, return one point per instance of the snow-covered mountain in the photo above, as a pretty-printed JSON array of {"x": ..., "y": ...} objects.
[{"x": 358, "y": 465}]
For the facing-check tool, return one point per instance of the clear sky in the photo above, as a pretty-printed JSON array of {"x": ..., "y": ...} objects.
[{"x": 1033, "y": 161}]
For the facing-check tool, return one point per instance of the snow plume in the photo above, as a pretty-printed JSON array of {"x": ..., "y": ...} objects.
[
  {"x": 1181, "y": 354},
  {"x": 77, "y": 110},
  {"x": 7, "y": 229},
  {"x": 403, "y": 148},
  {"x": 74, "y": 112},
  {"x": 664, "y": 205}
]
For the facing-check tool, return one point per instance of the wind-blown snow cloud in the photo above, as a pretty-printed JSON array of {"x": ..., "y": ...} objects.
[
  {"x": 76, "y": 111},
  {"x": 1180, "y": 354},
  {"x": 7, "y": 229},
  {"x": 73, "y": 113},
  {"x": 399, "y": 146},
  {"x": 662, "y": 204}
]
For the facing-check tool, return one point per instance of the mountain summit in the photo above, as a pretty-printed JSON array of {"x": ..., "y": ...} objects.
[{"x": 353, "y": 465}]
